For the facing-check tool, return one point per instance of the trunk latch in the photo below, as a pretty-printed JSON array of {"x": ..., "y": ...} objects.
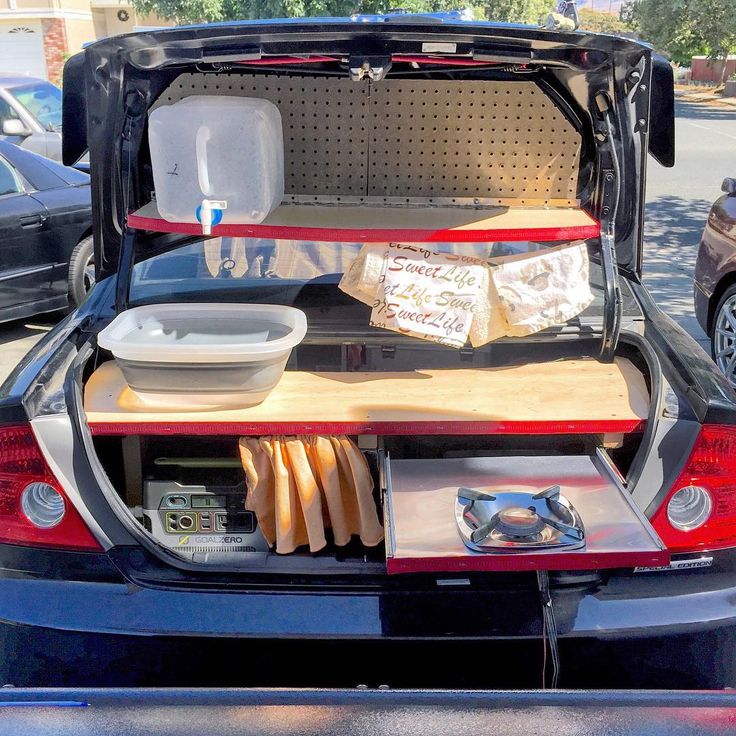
[{"x": 373, "y": 67}]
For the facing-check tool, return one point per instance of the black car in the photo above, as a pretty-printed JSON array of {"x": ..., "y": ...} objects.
[
  {"x": 46, "y": 258},
  {"x": 158, "y": 537}
]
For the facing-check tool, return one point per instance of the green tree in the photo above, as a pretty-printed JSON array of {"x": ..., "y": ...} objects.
[
  {"x": 200, "y": 11},
  {"x": 594, "y": 20},
  {"x": 183, "y": 11},
  {"x": 684, "y": 28},
  {"x": 518, "y": 11}
]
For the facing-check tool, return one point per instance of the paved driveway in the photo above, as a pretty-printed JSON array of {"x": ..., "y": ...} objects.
[
  {"x": 17, "y": 338},
  {"x": 678, "y": 201}
]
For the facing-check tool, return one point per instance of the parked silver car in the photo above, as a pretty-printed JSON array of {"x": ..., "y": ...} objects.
[{"x": 30, "y": 114}]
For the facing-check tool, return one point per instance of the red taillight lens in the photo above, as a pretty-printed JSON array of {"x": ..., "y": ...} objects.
[
  {"x": 707, "y": 497},
  {"x": 22, "y": 466}
]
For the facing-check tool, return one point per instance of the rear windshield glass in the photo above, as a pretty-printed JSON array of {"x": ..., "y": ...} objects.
[
  {"x": 302, "y": 274},
  {"x": 242, "y": 267}
]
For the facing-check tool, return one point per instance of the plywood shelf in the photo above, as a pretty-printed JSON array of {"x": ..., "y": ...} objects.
[
  {"x": 349, "y": 223},
  {"x": 562, "y": 397}
]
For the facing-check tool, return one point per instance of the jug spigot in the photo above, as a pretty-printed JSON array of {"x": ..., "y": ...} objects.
[{"x": 206, "y": 209}]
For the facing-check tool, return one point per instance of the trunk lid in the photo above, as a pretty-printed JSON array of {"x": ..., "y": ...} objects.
[{"x": 116, "y": 81}]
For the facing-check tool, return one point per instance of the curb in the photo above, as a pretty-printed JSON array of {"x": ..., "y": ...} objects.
[{"x": 704, "y": 98}]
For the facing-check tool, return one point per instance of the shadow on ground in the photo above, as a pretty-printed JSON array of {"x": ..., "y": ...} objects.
[
  {"x": 703, "y": 111},
  {"x": 673, "y": 226},
  {"x": 17, "y": 338}
]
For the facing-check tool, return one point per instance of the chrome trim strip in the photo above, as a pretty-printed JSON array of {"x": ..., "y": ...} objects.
[{"x": 55, "y": 437}]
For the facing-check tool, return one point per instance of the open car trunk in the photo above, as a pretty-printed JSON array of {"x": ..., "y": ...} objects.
[
  {"x": 553, "y": 418},
  {"x": 493, "y": 143}
]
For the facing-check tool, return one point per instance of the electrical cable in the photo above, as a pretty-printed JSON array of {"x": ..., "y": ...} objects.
[{"x": 549, "y": 631}]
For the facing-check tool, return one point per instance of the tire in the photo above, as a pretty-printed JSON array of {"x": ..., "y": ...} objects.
[
  {"x": 723, "y": 337},
  {"x": 81, "y": 271}
]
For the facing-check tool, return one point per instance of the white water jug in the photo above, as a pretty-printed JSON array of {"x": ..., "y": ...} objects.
[{"x": 217, "y": 159}]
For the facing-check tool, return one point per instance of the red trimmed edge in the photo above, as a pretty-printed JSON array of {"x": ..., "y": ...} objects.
[
  {"x": 623, "y": 426},
  {"x": 281, "y": 60},
  {"x": 371, "y": 235},
  {"x": 440, "y": 60},
  {"x": 480, "y": 562}
]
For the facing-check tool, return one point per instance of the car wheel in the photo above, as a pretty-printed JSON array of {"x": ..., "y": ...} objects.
[
  {"x": 723, "y": 340},
  {"x": 81, "y": 271}
]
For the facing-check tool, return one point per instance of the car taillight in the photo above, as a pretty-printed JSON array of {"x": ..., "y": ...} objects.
[
  {"x": 699, "y": 512},
  {"x": 33, "y": 508}
]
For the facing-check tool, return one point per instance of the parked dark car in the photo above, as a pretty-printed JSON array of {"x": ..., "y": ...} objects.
[
  {"x": 715, "y": 280},
  {"x": 46, "y": 256},
  {"x": 375, "y": 110}
]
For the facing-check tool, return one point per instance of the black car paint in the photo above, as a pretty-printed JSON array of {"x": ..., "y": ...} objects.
[
  {"x": 93, "y": 628},
  {"x": 39, "y": 229},
  {"x": 126, "y": 616},
  {"x": 118, "y": 617}
]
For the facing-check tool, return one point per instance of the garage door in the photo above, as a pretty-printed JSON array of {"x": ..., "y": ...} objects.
[{"x": 21, "y": 49}]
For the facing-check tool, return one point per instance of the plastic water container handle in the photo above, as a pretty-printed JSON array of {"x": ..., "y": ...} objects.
[
  {"x": 208, "y": 205},
  {"x": 203, "y": 137}
]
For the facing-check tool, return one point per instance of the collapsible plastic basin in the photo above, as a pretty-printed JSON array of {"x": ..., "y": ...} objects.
[{"x": 213, "y": 353}]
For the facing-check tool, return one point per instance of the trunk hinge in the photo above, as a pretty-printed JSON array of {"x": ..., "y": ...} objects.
[
  {"x": 136, "y": 104},
  {"x": 126, "y": 260},
  {"x": 613, "y": 309},
  {"x": 610, "y": 193}
]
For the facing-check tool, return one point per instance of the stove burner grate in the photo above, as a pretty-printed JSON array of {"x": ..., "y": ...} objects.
[{"x": 513, "y": 521}]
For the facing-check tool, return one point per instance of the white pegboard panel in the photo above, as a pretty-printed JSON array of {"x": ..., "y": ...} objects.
[
  {"x": 434, "y": 138},
  {"x": 411, "y": 138},
  {"x": 324, "y": 119}
]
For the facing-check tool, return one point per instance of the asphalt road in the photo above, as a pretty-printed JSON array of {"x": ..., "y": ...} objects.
[{"x": 678, "y": 201}]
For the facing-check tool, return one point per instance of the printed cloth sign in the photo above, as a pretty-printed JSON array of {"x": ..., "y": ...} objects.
[
  {"x": 544, "y": 290},
  {"x": 429, "y": 294}
]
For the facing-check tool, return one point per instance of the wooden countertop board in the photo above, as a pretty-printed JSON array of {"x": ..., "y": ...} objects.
[
  {"x": 386, "y": 223},
  {"x": 565, "y": 391}
]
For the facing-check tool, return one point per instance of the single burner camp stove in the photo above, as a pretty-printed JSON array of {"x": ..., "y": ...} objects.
[
  {"x": 430, "y": 524},
  {"x": 513, "y": 521}
]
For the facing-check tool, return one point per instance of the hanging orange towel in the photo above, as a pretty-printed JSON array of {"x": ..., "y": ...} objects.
[
  {"x": 291, "y": 531},
  {"x": 329, "y": 478},
  {"x": 260, "y": 482},
  {"x": 310, "y": 495},
  {"x": 362, "y": 508},
  {"x": 299, "y": 485}
]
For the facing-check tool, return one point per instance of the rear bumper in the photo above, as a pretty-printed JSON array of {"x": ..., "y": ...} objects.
[
  {"x": 622, "y": 609},
  {"x": 673, "y": 630},
  {"x": 39, "y": 657}
]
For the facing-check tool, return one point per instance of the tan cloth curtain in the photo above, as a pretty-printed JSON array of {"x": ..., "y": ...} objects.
[{"x": 299, "y": 485}]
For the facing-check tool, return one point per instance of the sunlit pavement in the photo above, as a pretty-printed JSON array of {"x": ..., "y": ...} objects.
[
  {"x": 17, "y": 338},
  {"x": 678, "y": 201}
]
